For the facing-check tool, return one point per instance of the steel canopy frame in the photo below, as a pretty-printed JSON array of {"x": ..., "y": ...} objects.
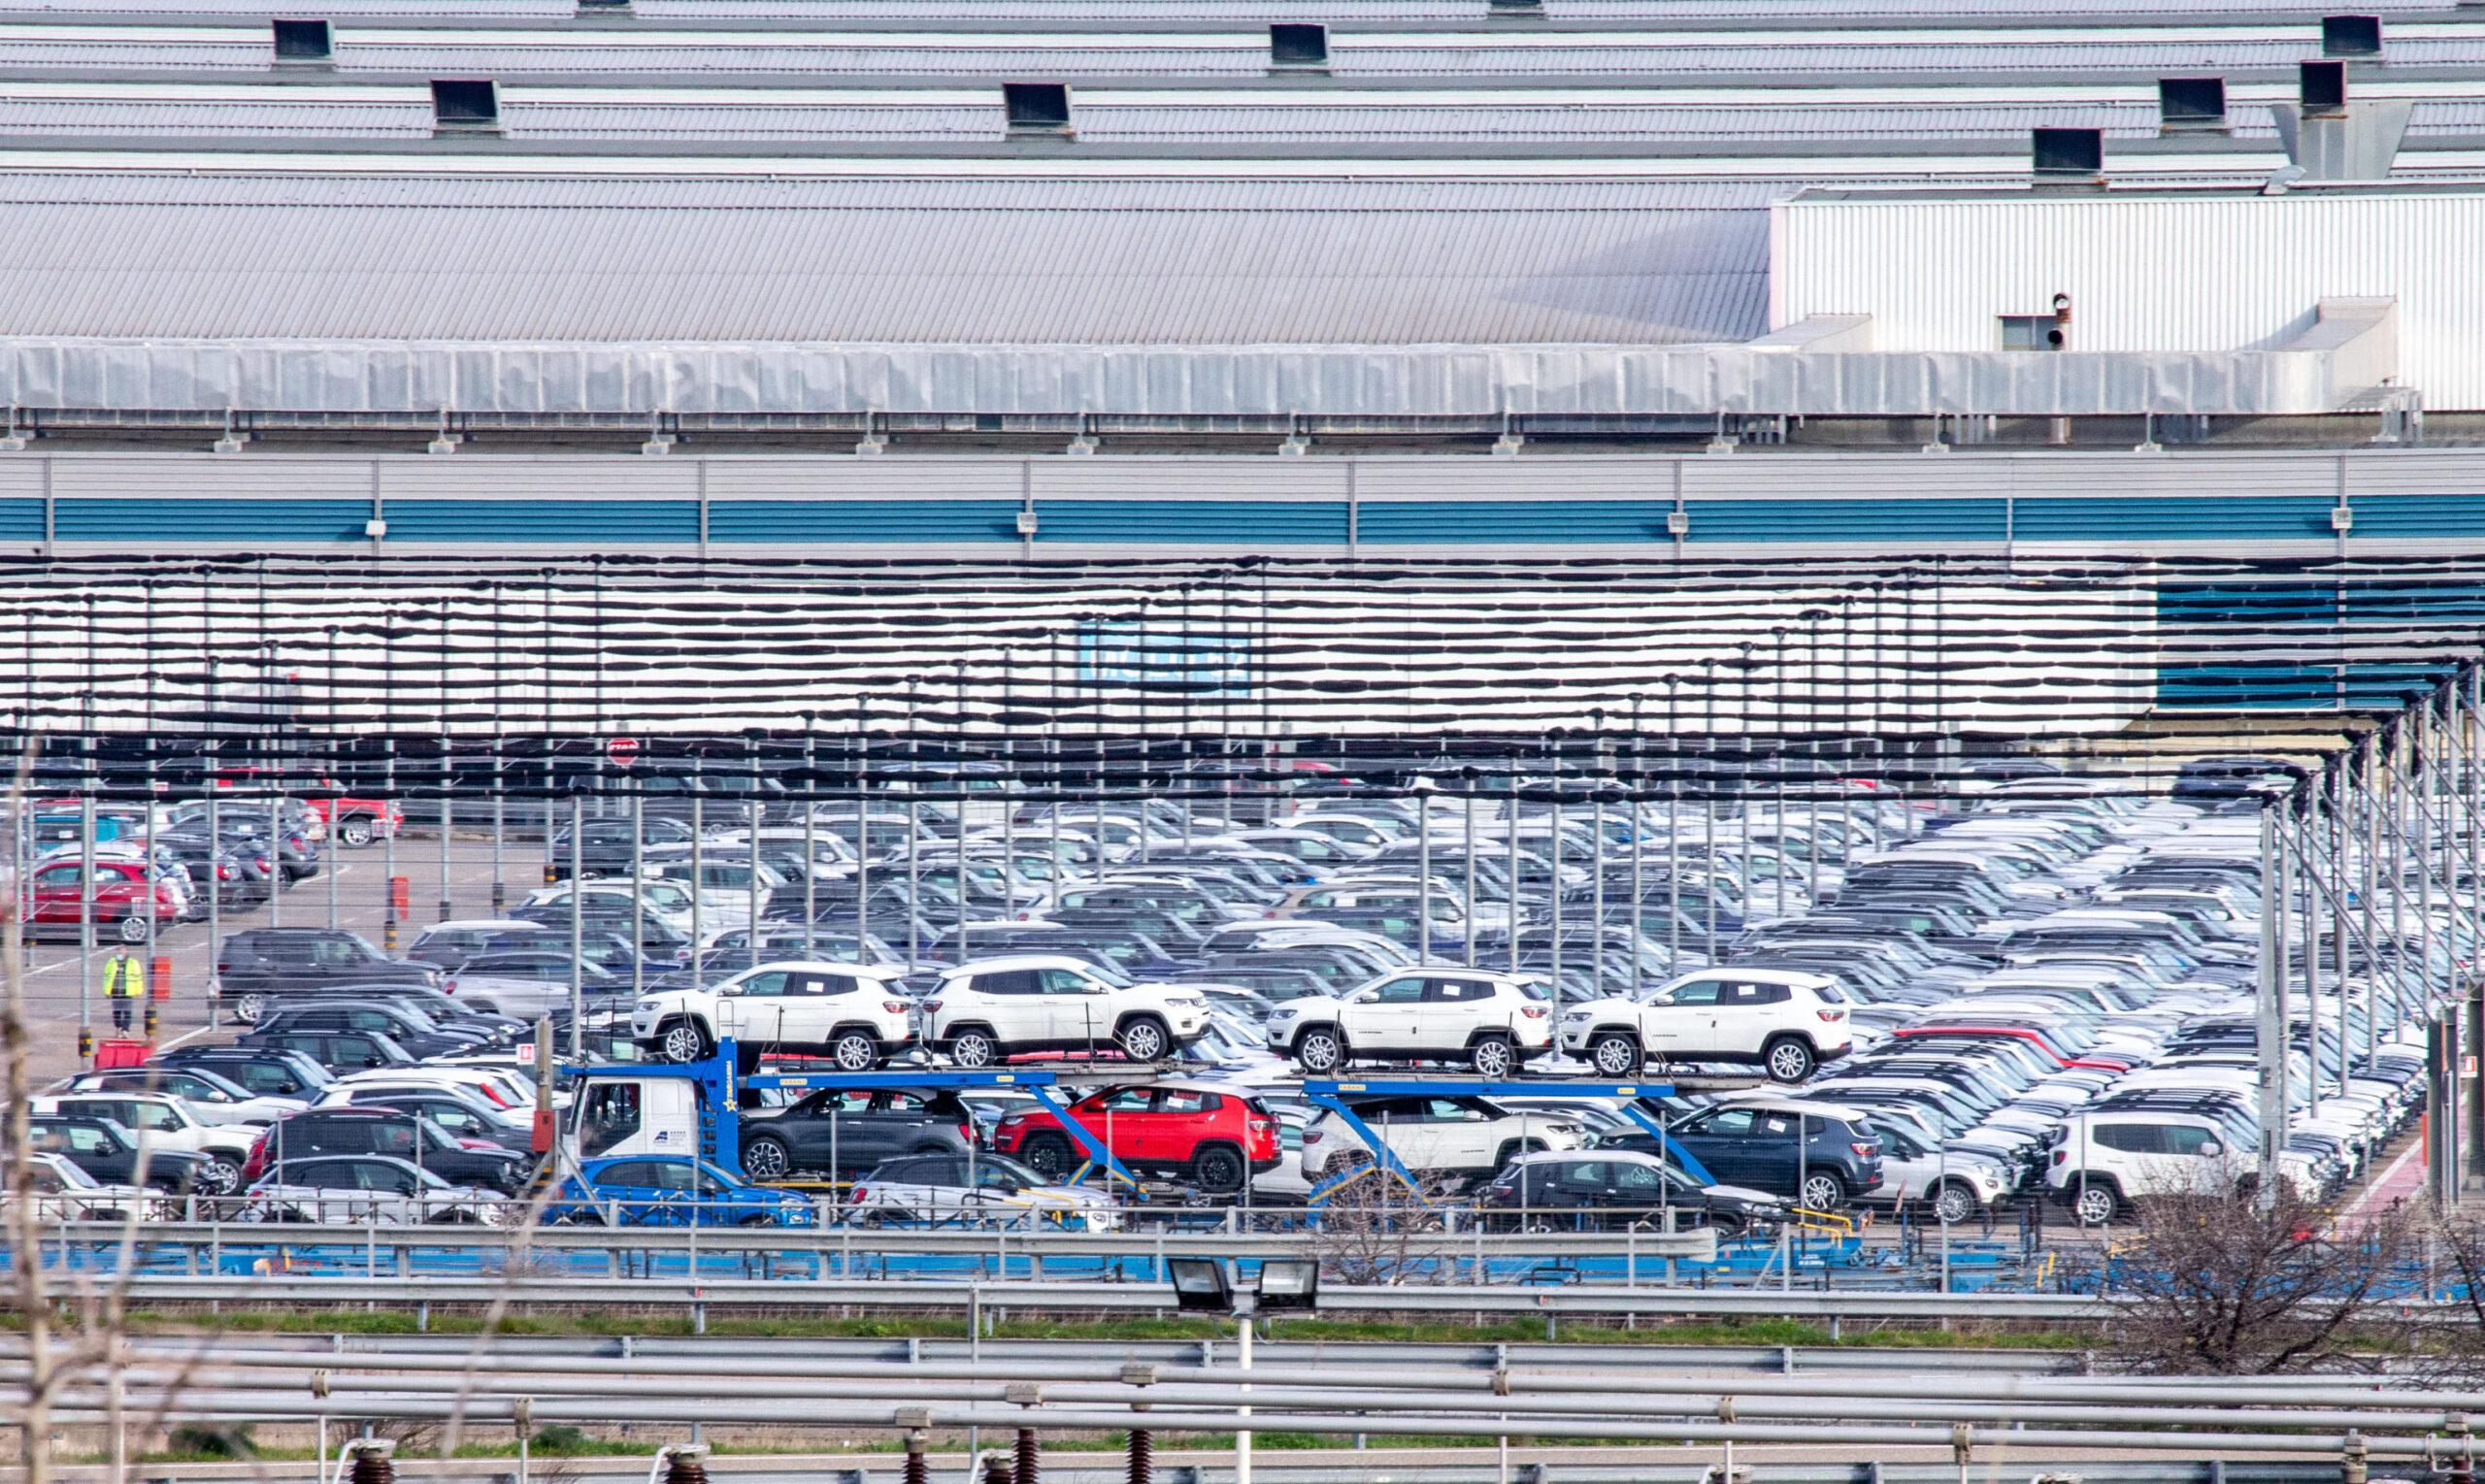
[
  {"x": 719, "y": 1082},
  {"x": 1331, "y": 1095}
]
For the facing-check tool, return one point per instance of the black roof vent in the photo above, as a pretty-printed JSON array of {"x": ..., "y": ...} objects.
[
  {"x": 2191, "y": 103},
  {"x": 1037, "y": 108},
  {"x": 465, "y": 104},
  {"x": 1298, "y": 43},
  {"x": 300, "y": 41},
  {"x": 2066, "y": 154},
  {"x": 2351, "y": 36},
  {"x": 2321, "y": 88}
]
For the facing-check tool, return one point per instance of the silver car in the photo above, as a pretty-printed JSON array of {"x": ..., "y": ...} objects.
[
  {"x": 979, "y": 1190},
  {"x": 369, "y": 1187}
]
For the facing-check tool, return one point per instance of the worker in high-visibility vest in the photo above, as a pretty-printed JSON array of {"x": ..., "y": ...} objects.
[{"x": 124, "y": 985}]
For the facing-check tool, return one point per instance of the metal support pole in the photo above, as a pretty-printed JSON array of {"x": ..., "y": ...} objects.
[
  {"x": 1423, "y": 875},
  {"x": 1471, "y": 872},
  {"x": 1514, "y": 873},
  {"x": 2270, "y": 1043},
  {"x": 577, "y": 927},
  {"x": 638, "y": 896}
]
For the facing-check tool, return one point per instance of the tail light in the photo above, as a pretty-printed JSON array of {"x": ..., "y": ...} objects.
[
  {"x": 2061, "y": 1156},
  {"x": 1312, "y": 1137},
  {"x": 931, "y": 1007},
  {"x": 1832, "y": 1017},
  {"x": 1531, "y": 1011},
  {"x": 449, "y": 986},
  {"x": 1865, "y": 1151},
  {"x": 476, "y": 1144},
  {"x": 894, "y": 1007},
  {"x": 857, "y": 1193},
  {"x": 256, "y": 1163},
  {"x": 223, "y": 871},
  {"x": 265, "y": 864}
]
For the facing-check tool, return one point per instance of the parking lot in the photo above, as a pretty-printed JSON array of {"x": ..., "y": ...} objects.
[{"x": 2001, "y": 1012}]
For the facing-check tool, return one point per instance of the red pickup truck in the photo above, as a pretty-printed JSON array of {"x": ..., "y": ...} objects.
[{"x": 356, "y": 820}]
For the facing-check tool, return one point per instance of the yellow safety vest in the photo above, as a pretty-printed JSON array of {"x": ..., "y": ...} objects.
[{"x": 124, "y": 979}]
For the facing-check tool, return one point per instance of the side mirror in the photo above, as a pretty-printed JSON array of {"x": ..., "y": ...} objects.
[{"x": 2212, "y": 1151}]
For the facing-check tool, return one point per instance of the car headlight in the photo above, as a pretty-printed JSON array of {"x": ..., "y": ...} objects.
[{"x": 651, "y": 1004}]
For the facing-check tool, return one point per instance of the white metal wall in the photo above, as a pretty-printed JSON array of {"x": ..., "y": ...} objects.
[{"x": 2147, "y": 271}]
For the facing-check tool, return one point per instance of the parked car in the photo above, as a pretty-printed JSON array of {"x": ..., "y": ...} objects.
[
  {"x": 125, "y": 898},
  {"x": 530, "y": 982},
  {"x": 368, "y": 1187},
  {"x": 61, "y": 1191},
  {"x": 162, "y": 1125},
  {"x": 1787, "y": 1021},
  {"x": 840, "y": 1132},
  {"x": 260, "y": 964},
  {"x": 111, "y": 1154},
  {"x": 1494, "y": 1023},
  {"x": 1830, "y": 1162},
  {"x": 970, "y": 1190},
  {"x": 1215, "y": 1138},
  {"x": 850, "y": 1014},
  {"x": 204, "y": 1091},
  {"x": 412, "y": 1137},
  {"x": 1458, "y": 1138},
  {"x": 661, "y": 1190},
  {"x": 1604, "y": 1188},
  {"x": 989, "y": 1010}
]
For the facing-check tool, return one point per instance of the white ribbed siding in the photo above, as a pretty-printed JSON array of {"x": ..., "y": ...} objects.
[{"x": 2148, "y": 273}]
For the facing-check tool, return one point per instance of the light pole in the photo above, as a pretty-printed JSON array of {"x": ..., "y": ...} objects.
[{"x": 1815, "y": 618}]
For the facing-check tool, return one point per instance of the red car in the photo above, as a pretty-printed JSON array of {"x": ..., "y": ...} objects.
[
  {"x": 1213, "y": 1137},
  {"x": 124, "y": 897},
  {"x": 356, "y": 822}
]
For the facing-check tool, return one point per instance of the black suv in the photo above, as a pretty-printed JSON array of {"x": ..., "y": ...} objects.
[
  {"x": 1756, "y": 1146},
  {"x": 340, "y": 1052},
  {"x": 407, "y": 1026},
  {"x": 847, "y": 1133},
  {"x": 261, "y": 965},
  {"x": 1608, "y": 1188},
  {"x": 103, "y": 1149},
  {"x": 604, "y": 844},
  {"x": 404, "y": 1136}
]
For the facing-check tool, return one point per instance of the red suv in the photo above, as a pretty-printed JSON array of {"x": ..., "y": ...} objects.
[
  {"x": 358, "y": 820},
  {"x": 123, "y": 894},
  {"x": 1216, "y": 1138}
]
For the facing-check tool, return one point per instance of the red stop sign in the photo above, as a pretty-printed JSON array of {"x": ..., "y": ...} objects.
[{"x": 624, "y": 750}]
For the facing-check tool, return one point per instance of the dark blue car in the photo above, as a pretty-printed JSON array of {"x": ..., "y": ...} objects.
[{"x": 672, "y": 1190}]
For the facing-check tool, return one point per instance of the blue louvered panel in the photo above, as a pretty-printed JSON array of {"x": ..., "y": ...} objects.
[
  {"x": 1267, "y": 522},
  {"x": 1416, "y": 522},
  {"x": 2112, "y": 518},
  {"x": 2414, "y": 517},
  {"x": 1930, "y": 521},
  {"x": 21, "y": 520},
  {"x": 244, "y": 522},
  {"x": 834, "y": 522},
  {"x": 2231, "y": 613},
  {"x": 586, "y": 524}
]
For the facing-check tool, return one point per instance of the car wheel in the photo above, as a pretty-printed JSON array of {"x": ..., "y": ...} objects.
[
  {"x": 975, "y": 1049},
  {"x": 1789, "y": 1059},
  {"x": 1319, "y": 1050},
  {"x": 133, "y": 929},
  {"x": 581, "y": 1217},
  {"x": 1615, "y": 1056},
  {"x": 1493, "y": 1057},
  {"x": 354, "y": 831},
  {"x": 1954, "y": 1204},
  {"x": 2096, "y": 1205},
  {"x": 757, "y": 1219},
  {"x": 1219, "y": 1171},
  {"x": 220, "y": 1177},
  {"x": 1144, "y": 1039},
  {"x": 855, "y": 1051},
  {"x": 766, "y": 1159},
  {"x": 683, "y": 1041},
  {"x": 1047, "y": 1155},
  {"x": 247, "y": 1008},
  {"x": 1823, "y": 1192}
]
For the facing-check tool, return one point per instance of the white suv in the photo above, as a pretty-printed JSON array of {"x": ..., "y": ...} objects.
[
  {"x": 1491, "y": 1021},
  {"x": 846, "y": 1012},
  {"x": 159, "y": 1122},
  {"x": 1434, "y": 1135},
  {"x": 1787, "y": 1021},
  {"x": 996, "y": 1008},
  {"x": 2101, "y": 1162}
]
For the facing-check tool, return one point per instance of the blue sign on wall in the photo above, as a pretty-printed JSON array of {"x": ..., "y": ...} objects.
[{"x": 1123, "y": 652}]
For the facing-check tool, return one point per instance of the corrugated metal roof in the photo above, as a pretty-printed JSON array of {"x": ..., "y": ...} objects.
[{"x": 892, "y": 261}]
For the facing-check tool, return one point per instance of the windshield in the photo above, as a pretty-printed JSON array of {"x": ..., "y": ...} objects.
[{"x": 1111, "y": 975}]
